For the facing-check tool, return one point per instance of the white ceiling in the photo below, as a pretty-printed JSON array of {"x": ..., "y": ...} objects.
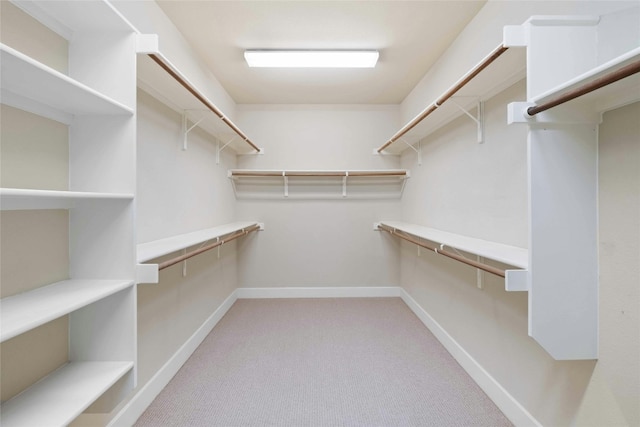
[{"x": 410, "y": 36}]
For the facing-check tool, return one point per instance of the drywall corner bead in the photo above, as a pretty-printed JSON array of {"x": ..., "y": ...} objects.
[
  {"x": 515, "y": 36},
  {"x": 147, "y": 43}
]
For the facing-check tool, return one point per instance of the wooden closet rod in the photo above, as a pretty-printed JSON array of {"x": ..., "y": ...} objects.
[
  {"x": 598, "y": 83},
  {"x": 226, "y": 238},
  {"x": 476, "y": 264},
  {"x": 448, "y": 94},
  {"x": 165, "y": 66}
]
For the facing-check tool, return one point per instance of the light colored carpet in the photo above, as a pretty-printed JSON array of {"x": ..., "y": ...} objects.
[{"x": 321, "y": 362}]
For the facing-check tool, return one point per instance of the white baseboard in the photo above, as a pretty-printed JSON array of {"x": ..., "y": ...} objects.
[
  {"x": 143, "y": 398},
  {"x": 320, "y": 292},
  {"x": 512, "y": 409}
]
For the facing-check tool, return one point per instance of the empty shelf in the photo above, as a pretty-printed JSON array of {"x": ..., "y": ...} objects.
[
  {"x": 63, "y": 395},
  {"x": 33, "y": 86},
  {"x": 510, "y": 255},
  {"x": 69, "y": 17},
  {"x": 158, "y": 248},
  {"x": 19, "y": 198},
  {"x": 318, "y": 184},
  {"x": 28, "y": 310}
]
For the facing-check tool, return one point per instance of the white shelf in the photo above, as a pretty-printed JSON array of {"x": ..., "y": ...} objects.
[
  {"x": 623, "y": 92},
  {"x": 157, "y": 248},
  {"x": 30, "y": 85},
  {"x": 510, "y": 255},
  {"x": 318, "y": 184},
  {"x": 69, "y": 17},
  {"x": 26, "y": 199},
  {"x": 63, "y": 395},
  {"x": 28, "y": 310},
  {"x": 506, "y": 70}
]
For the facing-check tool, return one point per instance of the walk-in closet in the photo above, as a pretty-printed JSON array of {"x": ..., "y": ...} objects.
[{"x": 446, "y": 234}]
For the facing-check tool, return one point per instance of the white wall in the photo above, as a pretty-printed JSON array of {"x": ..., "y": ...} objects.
[
  {"x": 178, "y": 191},
  {"x": 619, "y": 235},
  {"x": 318, "y": 242}
]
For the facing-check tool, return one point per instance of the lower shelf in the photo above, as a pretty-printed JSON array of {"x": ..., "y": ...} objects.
[
  {"x": 63, "y": 395},
  {"x": 29, "y": 310}
]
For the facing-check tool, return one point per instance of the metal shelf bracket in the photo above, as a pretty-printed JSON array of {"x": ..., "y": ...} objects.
[
  {"x": 186, "y": 129},
  {"x": 412, "y": 146},
  {"x": 479, "y": 120}
]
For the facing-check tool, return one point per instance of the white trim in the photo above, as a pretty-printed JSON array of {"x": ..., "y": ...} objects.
[
  {"x": 143, "y": 398},
  {"x": 320, "y": 292},
  {"x": 511, "y": 408}
]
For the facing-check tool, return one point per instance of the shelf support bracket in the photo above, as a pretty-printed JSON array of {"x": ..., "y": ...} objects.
[
  {"x": 479, "y": 120},
  {"x": 344, "y": 184},
  {"x": 286, "y": 184},
  {"x": 186, "y": 129},
  {"x": 480, "y": 273},
  {"x": 184, "y": 264},
  {"x": 219, "y": 150},
  {"x": 417, "y": 150}
]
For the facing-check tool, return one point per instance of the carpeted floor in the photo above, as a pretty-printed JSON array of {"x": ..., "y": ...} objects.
[{"x": 321, "y": 362}]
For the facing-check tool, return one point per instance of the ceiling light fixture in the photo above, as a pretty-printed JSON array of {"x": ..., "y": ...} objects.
[{"x": 311, "y": 58}]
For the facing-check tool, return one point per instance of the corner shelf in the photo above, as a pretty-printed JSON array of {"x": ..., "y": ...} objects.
[
  {"x": 26, "y": 199},
  {"x": 62, "y": 395},
  {"x": 32, "y": 86},
  {"x": 157, "y": 248},
  {"x": 473, "y": 87},
  {"x": 28, "y": 310},
  {"x": 318, "y": 184}
]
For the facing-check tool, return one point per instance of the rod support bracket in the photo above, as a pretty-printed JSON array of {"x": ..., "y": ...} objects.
[{"x": 186, "y": 128}]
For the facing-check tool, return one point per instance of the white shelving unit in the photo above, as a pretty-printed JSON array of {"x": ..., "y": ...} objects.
[
  {"x": 510, "y": 255},
  {"x": 318, "y": 184},
  {"x": 157, "y": 248},
  {"x": 21, "y": 199},
  {"x": 99, "y": 296},
  {"x": 515, "y": 280},
  {"x": 564, "y": 53}
]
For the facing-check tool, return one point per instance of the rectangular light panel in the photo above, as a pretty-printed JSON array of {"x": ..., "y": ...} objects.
[{"x": 311, "y": 58}]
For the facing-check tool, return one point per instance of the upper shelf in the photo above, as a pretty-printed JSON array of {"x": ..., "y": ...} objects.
[
  {"x": 613, "y": 95},
  {"x": 32, "y": 86},
  {"x": 162, "y": 80},
  {"x": 69, "y": 17},
  {"x": 382, "y": 183},
  {"x": 27, "y": 199},
  {"x": 157, "y": 248},
  {"x": 505, "y": 66},
  {"x": 510, "y": 255}
]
